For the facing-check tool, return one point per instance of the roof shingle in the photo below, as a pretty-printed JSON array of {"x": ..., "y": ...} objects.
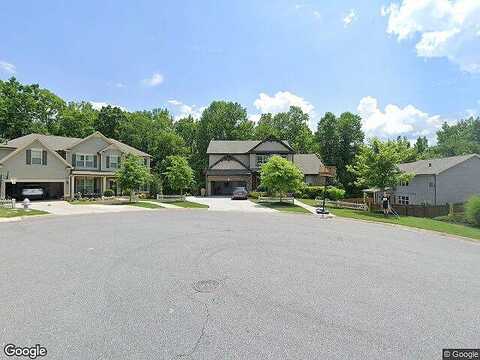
[{"x": 434, "y": 166}]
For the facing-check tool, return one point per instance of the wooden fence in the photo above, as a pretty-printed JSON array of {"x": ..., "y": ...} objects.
[
  {"x": 272, "y": 199},
  {"x": 343, "y": 204},
  {"x": 170, "y": 198},
  {"x": 427, "y": 211}
]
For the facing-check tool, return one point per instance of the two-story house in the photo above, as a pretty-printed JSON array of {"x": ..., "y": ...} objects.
[
  {"x": 237, "y": 163},
  {"x": 439, "y": 181},
  {"x": 62, "y": 166}
]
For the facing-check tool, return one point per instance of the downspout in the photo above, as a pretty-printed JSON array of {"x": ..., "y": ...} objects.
[{"x": 435, "y": 188}]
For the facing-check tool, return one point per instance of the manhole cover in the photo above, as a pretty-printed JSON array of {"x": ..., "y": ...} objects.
[{"x": 206, "y": 286}]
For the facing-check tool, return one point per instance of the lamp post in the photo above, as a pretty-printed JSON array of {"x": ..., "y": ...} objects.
[{"x": 326, "y": 172}]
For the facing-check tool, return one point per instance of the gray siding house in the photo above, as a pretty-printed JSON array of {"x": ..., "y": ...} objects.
[
  {"x": 449, "y": 180},
  {"x": 237, "y": 163},
  {"x": 62, "y": 166}
]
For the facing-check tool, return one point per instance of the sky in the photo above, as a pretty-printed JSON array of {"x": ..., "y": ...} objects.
[{"x": 405, "y": 66}]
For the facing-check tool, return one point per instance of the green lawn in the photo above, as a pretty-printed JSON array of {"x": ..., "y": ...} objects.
[
  {"x": 415, "y": 222},
  {"x": 286, "y": 207},
  {"x": 189, "y": 204},
  {"x": 9, "y": 213},
  {"x": 145, "y": 205}
]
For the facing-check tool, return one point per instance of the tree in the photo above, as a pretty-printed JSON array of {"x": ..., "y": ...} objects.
[
  {"x": 187, "y": 129},
  {"x": 339, "y": 139},
  {"x": 26, "y": 109},
  {"x": 76, "y": 120},
  {"x": 132, "y": 174},
  {"x": 178, "y": 174},
  {"x": 291, "y": 126},
  {"x": 280, "y": 176},
  {"x": 458, "y": 139},
  {"x": 109, "y": 120},
  {"x": 328, "y": 138},
  {"x": 376, "y": 165},
  {"x": 421, "y": 146}
]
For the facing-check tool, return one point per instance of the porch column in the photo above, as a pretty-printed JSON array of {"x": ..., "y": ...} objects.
[
  {"x": 72, "y": 186},
  {"x": 2, "y": 189},
  {"x": 104, "y": 184},
  {"x": 209, "y": 188}
]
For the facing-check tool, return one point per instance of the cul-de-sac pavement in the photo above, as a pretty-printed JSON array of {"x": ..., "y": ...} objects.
[{"x": 193, "y": 284}]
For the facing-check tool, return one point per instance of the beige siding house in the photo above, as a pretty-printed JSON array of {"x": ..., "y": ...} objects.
[
  {"x": 237, "y": 163},
  {"x": 62, "y": 166}
]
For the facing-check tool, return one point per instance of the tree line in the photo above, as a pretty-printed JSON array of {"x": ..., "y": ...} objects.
[{"x": 28, "y": 108}]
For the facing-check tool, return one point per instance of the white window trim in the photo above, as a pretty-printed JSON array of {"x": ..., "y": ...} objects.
[
  {"x": 117, "y": 157},
  {"x": 41, "y": 156},
  {"x": 84, "y": 166},
  {"x": 268, "y": 156}
]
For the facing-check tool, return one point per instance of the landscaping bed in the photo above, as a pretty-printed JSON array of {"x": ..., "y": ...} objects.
[{"x": 184, "y": 204}]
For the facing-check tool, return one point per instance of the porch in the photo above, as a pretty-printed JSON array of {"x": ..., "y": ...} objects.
[{"x": 93, "y": 185}]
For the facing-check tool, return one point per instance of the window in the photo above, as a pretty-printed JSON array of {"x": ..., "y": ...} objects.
[
  {"x": 85, "y": 185},
  {"x": 404, "y": 183},
  {"x": 113, "y": 162},
  {"x": 403, "y": 200},
  {"x": 36, "y": 157},
  {"x": 263, "y": 158},
  {"x": 85, "y": 161}
]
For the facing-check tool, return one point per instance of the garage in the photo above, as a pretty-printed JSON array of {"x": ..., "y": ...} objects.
[
  {"x": 35, "y": 190},
  {"x": 220, "y": 188}
]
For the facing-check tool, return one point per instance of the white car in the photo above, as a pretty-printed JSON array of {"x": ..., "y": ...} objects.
[{"x": 33, "y": 192}]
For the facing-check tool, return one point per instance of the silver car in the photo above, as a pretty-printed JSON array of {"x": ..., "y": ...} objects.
[{"x": 239, "y": 193}]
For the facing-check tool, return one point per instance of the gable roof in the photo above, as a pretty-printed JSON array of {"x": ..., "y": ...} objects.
[
  {"x": 19, "y": 149},
  {"x": 65, "y": 143},
  {"x": 238, "y": 146},
  {"x": 310, "y": 164},
  {"x": 434, "y": 166}
]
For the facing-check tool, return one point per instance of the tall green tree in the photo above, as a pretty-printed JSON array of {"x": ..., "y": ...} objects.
[
  {"x": 280, "y": 176},
  {"x": 187, "y": 129},
  {"x": 376, "y": 164},
  {"x": 459, "y": 139},
  {"x": 291, "y": 126},
  {"x": 76, "y": 120},
  {"x": 26, "y": 109},
  {"x": 421, "y": 146},
  {"x": 109, "y": 121},
  {"x": 132, "y": 174},
  {"x": 328, "y": 138},
  {"x": 178, "y": 173}
]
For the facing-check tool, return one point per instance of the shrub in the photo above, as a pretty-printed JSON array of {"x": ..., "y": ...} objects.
[
  {"x": 312, "y": 192},
  {"x": 334, "y": 193},
  {"x": 256, "y": 194},
  {"x": 108, "y": 193},
  {"x": 472, "y": 210}
]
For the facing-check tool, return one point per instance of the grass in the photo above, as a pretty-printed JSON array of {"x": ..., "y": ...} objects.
[
  {"x": 415, "y": 222},
  {"x": 9, "y": 213},
  {"x": 142, "y": 204},
  {"x": 189, "y": 204},
  {"x": 285, "y": 207}
]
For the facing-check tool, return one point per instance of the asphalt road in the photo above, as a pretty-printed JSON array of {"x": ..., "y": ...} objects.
[{"x": 200, "y": 284}]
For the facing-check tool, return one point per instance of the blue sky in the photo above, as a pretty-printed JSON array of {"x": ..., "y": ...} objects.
[{"x": 404, "y": 65}]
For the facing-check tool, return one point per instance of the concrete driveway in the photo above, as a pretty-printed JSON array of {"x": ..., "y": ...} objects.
[
  {"x": 220, "y": 285},
  {"x": 227, "y": 204},
  {"x": 64, "y": 208}
]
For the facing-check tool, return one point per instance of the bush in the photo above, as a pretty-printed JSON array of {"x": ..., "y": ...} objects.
[
  {"x": 334, "y": 193},
  {"x": 255, "y": 194},
  {"x": 312, "y": 192},
  {"x": 472, "y": 210},
  {"x": 108, "y": 193}
]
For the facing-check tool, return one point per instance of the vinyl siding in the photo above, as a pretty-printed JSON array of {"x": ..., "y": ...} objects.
[{"x": 459, "y": 183}]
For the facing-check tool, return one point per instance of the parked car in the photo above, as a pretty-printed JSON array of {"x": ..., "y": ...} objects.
[
  {"x": 239, "y": 193},
  {"x": 33, "y": 192}
]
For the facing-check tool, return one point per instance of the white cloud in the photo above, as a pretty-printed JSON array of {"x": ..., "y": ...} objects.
[
  {"x": 395, "y": 121},
  {"x": 349, "y": 18},
  {"x": 183, "y": 110},
  {"x": 8, "y": 67},
  {"x": 446, "y": 28},
  {"x": 281, "y": 102},
  {"x": 120, "y": 85},
  {"x": 254, "y": 117},
  {"x": 98, "y": 105},
  {"x": 155, "y": 80},
  {"x": 317, "y": 14}
]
